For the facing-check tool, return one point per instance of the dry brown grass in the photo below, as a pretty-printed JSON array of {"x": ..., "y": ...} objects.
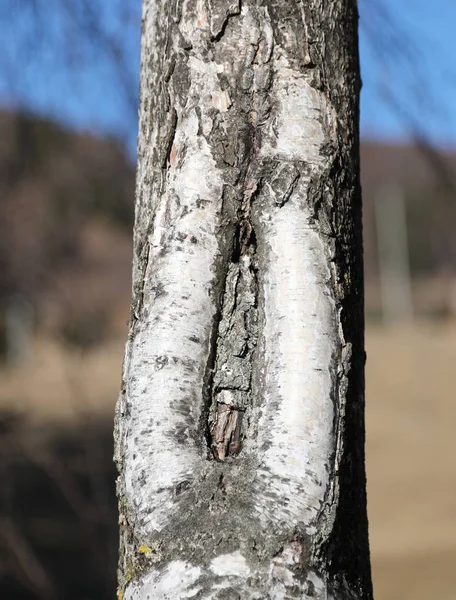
[
  {"x": 61, "y": 384},
  {"x": 411, "y": 414},
  {"x": 411, "y": 422}
]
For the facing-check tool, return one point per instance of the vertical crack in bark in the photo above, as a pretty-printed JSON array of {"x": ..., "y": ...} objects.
[
  {"x": 238, "y": 329},
  {"x": 235, "y": 344},
  {"x": 170, "y": 138},
  {"x": 231, "y": 392}
]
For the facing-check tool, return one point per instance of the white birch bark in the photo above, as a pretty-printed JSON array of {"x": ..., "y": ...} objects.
[{"x": 239, "y": 428}]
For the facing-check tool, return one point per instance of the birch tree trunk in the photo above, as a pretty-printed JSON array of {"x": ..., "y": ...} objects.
[{"x": 240, "y": 424}]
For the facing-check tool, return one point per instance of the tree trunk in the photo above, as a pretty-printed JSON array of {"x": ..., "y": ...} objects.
[{"x": 240, "y": 425}]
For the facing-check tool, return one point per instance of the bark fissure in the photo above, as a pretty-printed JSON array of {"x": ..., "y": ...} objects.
[
  {"x": 170, "y": 138},
  {"x": 221, "y": 12},
  {"x": 235, "y": 346},
  {"x": 232, "y": 393}
]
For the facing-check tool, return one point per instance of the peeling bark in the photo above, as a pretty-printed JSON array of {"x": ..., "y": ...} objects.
[{"x": 240, "y": 424}]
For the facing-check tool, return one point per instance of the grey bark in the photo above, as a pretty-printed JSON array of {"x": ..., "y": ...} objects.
[{"x": 240, "y": 424}]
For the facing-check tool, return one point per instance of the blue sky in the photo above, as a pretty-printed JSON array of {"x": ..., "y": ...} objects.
[
  {"x": 407, "y": 49},
  {"x": 415, "y": 62}
]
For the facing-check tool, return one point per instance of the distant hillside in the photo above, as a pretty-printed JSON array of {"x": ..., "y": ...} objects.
[
  {"x": 409, "y": 166},
  {"x": 66, "y": 217},
  {"x": 428, "y": 182}
]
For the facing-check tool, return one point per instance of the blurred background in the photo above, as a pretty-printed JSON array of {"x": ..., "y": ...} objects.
[{"x": 69, "y": 75}]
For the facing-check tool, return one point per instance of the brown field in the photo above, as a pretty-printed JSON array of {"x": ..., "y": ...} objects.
[{"x": 411, "y": 418}]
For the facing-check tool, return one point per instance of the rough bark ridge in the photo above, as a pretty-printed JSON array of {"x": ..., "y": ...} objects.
[{"x": 239, "y": 427}]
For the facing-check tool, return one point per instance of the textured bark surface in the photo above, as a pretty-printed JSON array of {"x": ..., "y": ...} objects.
[{"x": 240, "y": 425}]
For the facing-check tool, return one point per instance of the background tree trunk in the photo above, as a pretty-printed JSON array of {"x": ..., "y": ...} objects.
[{"x": 240, "y": 425}]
